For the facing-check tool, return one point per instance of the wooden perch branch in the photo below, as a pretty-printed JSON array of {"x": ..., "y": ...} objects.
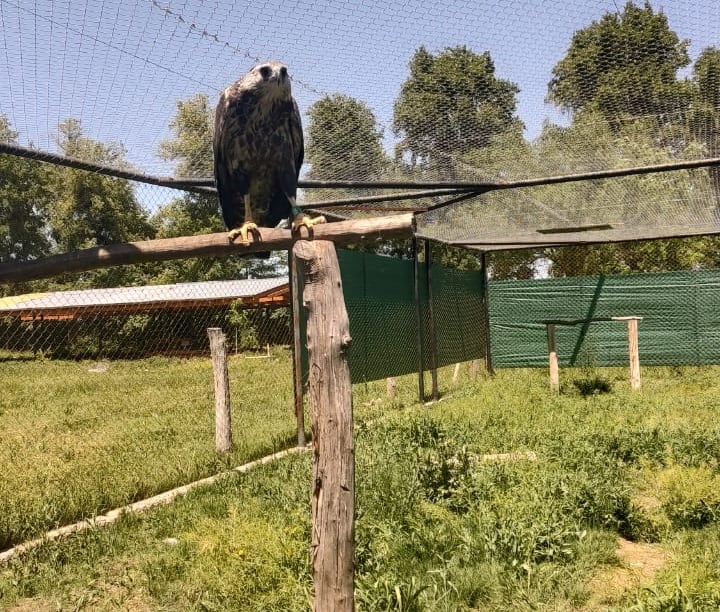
[{"x": 344, "y": 232}]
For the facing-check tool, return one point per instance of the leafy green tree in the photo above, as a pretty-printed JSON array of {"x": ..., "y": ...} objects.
[
  {"x": 705, "y": 111},
  {"x": 455, "y": 117},
  {"x": 451, "y": 104},
  {"x": 25, "y": 197},
  {"x": 625, "y": 64},
  {"x": 344, "y": 140},
  {"x": 191, "y": 146},
  {"x": 626, "y": 202},
  {"x": 190, "y": 149},
  {"x": 92, "y": 209}
]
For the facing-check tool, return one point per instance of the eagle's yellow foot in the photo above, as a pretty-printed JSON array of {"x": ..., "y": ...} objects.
[
  {"x": 243, "y": 231},
  {"x": 308, "y": 222}
]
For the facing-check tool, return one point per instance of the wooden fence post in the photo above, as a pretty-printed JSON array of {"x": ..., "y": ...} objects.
[
  {"x": 633, "y": 349},
  {"x": 634, "y": 353},
  {"x": 297, "y": 350},
  {"x": 552, "y": 358},
  {"x": 223, "y": 430},
  {"x": 391, "y": 387},
  {"x": 329, "y": 389}
]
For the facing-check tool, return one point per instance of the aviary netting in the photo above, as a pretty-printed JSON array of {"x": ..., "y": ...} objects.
[{"x": 503, "y": 126}]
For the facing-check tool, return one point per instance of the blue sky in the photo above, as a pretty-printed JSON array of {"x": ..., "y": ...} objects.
[{"x": 121, "y": 65}]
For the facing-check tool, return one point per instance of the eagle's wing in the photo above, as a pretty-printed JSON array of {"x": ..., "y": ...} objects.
[
  {"x": 289, "y": 165},
  {"x": 296, "y": 134},
  {"x": 231, "y": 179}
]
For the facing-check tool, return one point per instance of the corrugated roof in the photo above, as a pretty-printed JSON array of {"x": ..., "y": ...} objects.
[{"x": 208, "y": 290}]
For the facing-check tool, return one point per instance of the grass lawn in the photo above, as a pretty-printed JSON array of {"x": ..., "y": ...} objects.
[
  {"x": 617, "y": 511},
  {"x": 76, "y": 441}
]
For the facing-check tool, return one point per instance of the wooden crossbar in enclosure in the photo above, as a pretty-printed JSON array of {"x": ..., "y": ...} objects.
[{"x": 633, "y": 346}]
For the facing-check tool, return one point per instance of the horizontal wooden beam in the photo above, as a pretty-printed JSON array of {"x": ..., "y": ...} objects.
[{"x": 208, "y": 245}]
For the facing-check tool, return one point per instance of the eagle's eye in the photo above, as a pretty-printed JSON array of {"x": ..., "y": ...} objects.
[
  {"x": 283, "y": 72},
  {"x": 265, "y": 72}
]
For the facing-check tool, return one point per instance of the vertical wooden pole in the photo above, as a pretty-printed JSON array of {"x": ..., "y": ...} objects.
[
  {"x": 486, "y": 313},
  {"x": 223, "y": 430},
  {"x": 552, "y": 356},
  {"x": 333, "y": 490},
  {"x": 431, "y": 322},
  {"x": 456, "y": 373},
  {"x": 391, "y": 387},
  {"x": 419, "y": 321},
  {"x": 633, "y": 349},
  {"x": 297, "y": 350}
]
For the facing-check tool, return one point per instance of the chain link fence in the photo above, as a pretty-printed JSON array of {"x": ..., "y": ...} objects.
[{"x": 136, "y": 322}]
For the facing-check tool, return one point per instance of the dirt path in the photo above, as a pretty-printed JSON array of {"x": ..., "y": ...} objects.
[{"x": 639, "y": 562}]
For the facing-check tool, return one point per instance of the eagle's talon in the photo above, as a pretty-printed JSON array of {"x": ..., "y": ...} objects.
[
  {"x": 243, "y": 231},
  {"x": 308, "y": 222}
]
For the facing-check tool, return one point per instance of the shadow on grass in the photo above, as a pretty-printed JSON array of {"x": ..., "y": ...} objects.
[{"x": 592, "y": 385}]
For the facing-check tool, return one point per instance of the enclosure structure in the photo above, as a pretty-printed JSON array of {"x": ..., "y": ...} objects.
[{"x": 469, "y": 147}]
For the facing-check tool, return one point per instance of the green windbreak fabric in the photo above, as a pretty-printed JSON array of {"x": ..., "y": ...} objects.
[
  {"x": 380, "y": 299},
  {"x": 379, "y": 296},
  {"x": 457, "y": 310},
  {"x": 680, "y": 311},
  {"x": 680, "y": 326}
]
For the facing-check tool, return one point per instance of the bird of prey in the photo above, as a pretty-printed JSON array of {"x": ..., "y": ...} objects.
[{"x": 258, "y": 150}]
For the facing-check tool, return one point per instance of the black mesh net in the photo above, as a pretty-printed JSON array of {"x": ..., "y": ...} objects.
[{"x": 411, "y": 92}]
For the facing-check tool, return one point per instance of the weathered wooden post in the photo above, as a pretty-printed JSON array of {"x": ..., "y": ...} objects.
[
  {"x": 391, "y": 387},
  {"x": 552, "y": 358},
  {"x": 333, "y": 488},
  {"x": 633, "y": 349},
  {"x": 223, "y": 430},
  {"x": 297, "y": 351}
]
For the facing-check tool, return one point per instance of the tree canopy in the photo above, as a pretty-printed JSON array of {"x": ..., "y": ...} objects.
[
  {"x": 451, "y": 104},
  {"x": 92, "y": 209},
  {"x": 344, "y": 140},
  {"x": 624, "y": 64},
  {"x": 25, "y": 199}
]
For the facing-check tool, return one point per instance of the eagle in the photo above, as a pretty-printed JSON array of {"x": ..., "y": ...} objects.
[{"x": 258, "y": 152}]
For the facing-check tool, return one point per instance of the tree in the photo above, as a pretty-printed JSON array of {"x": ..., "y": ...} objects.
[
  {"x": 705, "y": 111},
  {"x": 454, "y": 118},
  {"x": 451, "y": 104},
  {"x": 93, "y": 209},
  {"x": 625, "y": 64},
  {"x": 344, "y": 140},
  {"x": 90, "y": 209},
  {"x": 24, "y": 202},
  {"x": 191, "y": 147},
  {"x": 191, "y": 150},
  {"x": 629, "y": 202},
  {"x": 619, "y": 81}
]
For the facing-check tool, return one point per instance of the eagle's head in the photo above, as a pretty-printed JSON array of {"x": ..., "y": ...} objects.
[{"x": 268, "y": 79}]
